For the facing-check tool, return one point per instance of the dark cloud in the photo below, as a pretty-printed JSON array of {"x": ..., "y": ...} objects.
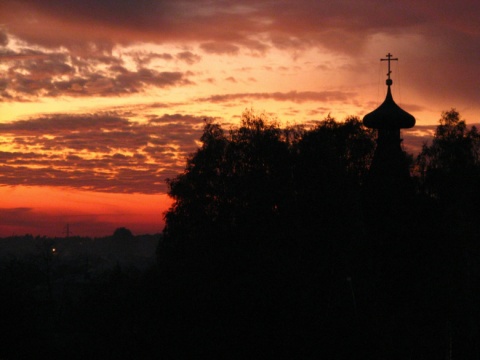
[
  {"x": 98, "y": 152},
  {"x": 63, "y": 124},
  {"x": 438, "y": 37},
  {"x": 133, "y": 81},
  {"x": 294, "y": 96},
  {"x": 3, "y": 38},
  {"x": 188, "y": 57},
  {"x": 142, "y": 58},
  {"x": 34, "y": 73},
  {"x": 220, "y": 48},
  {"x": 413, "y": 139},
  {"x": 412, "y": 108},
  {"x": 286, "y": 23}
]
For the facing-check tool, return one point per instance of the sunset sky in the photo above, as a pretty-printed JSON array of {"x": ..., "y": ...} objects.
[{"x": 102, "y": 100}]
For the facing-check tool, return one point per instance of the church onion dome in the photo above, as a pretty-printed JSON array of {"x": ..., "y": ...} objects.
[{"x": 389, "y": 116}]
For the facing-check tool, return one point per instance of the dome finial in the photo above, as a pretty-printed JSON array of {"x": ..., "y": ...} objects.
[{"x": 389, "y": 58}]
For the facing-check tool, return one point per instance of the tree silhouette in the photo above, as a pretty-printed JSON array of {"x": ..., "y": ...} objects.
[
  {"x": 122, "y": 233},
  {"x": 258, "y": 180},
  {"x": 235, "y": 183},
  {"x": 449, "y": 176},
  {"x": 331, "y": 164},
  {"x": 260, "y": 220},
  {"x": 450, "y": 166}
]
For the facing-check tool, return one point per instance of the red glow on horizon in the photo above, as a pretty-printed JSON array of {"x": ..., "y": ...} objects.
[{"x": 47, "y": 211}]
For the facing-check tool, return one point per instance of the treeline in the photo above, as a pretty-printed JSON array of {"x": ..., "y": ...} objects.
[
  {"x": 246, "y": 183},
  {"x": 272, "y": 248},
  {"x": 276, "y": 245},
  {"x": 122, "y": 247}
]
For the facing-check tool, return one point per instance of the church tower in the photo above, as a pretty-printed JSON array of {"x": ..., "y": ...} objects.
[{"x": 389, "y": 176}]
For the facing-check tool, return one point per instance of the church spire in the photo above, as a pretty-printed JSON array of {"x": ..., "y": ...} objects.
[
  {"x": 389, "y": 175},
  {"x": 389, "y": 115}
]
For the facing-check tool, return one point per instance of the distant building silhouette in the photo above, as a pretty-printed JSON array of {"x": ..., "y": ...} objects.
[{"x": 389, "y": 176}]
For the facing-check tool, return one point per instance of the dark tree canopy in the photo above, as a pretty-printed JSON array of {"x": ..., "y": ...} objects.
[
  {"x": 122, "y": 233},
  {"x": 261, "y": 210},
  {"x": 449, "y": 167},
  {"x": 262, "y": 179},
  {"x": 281, "y": 216}
]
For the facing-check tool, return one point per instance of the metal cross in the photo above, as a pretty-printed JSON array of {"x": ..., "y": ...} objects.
[{"x": 389, "y": 58}]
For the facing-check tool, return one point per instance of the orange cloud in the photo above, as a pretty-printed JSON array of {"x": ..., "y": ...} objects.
[
  {"x": 100, "y": 152},
  {"x": 439, "y": 37},
  {"x": 32, "y": 74}
]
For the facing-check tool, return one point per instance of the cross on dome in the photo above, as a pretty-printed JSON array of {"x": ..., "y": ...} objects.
[{"x": 389, "y": 59}]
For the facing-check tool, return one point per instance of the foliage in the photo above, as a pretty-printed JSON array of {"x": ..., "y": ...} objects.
[
  {"x": 454, "y": 147},
  {"x": 229, "y": 175},
  {"x": 259, "y": 210},
  {"x": 331, "y": 165},
  {"x": 450, "y": 166},
  {"x": 257, "y": 178},
  {"x": 122, "y": 233},
  {"x": 268, "y": 224}
]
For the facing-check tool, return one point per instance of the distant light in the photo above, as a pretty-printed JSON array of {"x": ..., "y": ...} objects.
[{"x": 54, "y": 250}]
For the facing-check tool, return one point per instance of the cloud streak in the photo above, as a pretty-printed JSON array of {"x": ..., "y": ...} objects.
[
  {"x": 283, "y": 22},
  {"x": 106, "y": 152},
  {"x": 293, "y": 96},
  {"x": 52, "y": 74},
  {"x": 101, "y": 152}
]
